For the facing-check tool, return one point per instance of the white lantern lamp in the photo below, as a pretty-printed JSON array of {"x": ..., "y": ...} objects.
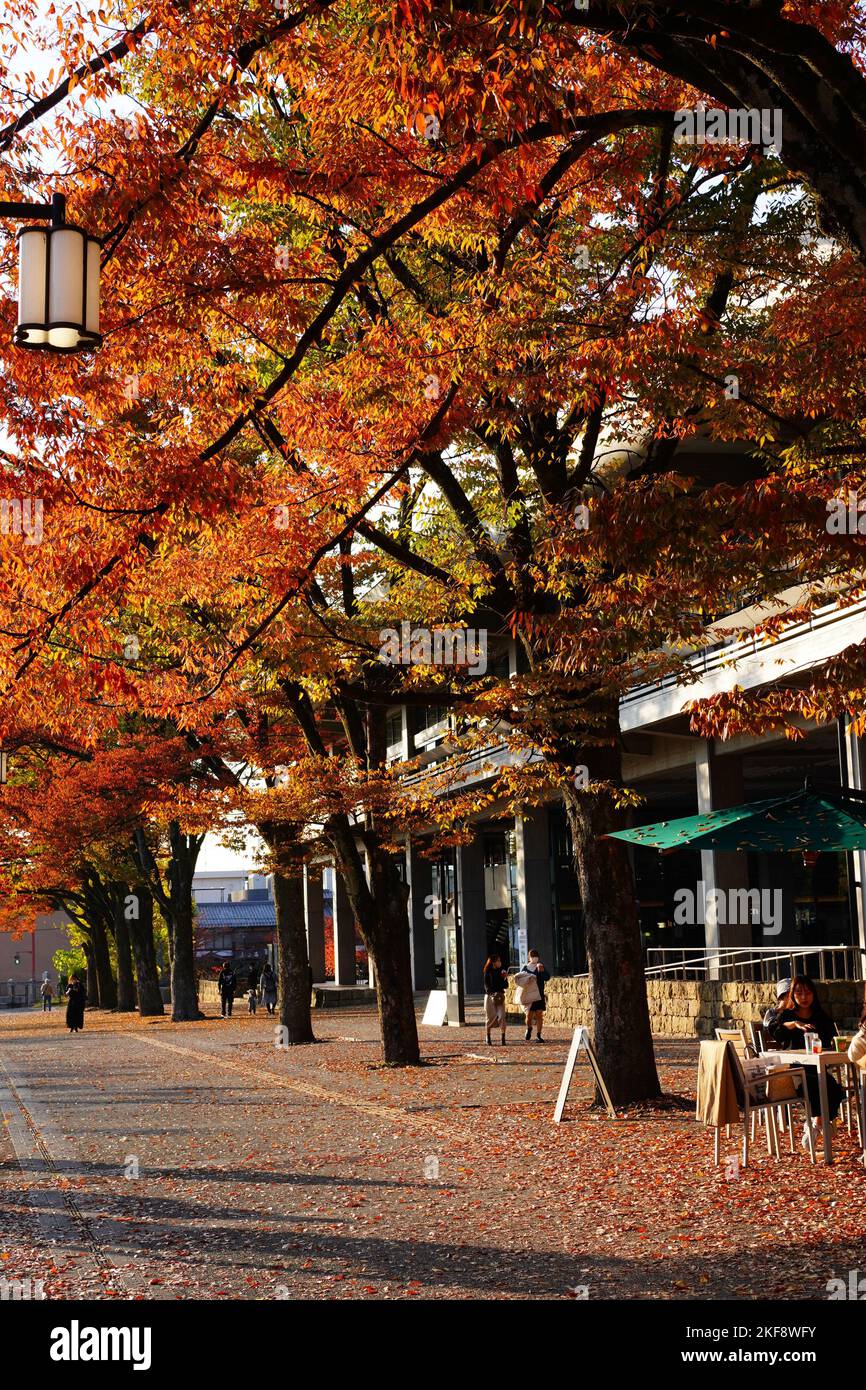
[{"x": 58, "y": 281}]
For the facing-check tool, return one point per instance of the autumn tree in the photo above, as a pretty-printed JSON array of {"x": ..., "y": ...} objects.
[{"x": 410, "y": 279}]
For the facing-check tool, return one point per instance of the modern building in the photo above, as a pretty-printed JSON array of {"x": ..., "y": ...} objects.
[{"x": 513, "y": 886}]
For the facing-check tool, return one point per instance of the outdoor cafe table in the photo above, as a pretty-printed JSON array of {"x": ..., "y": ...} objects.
[{"x": 823, "y": 1060}]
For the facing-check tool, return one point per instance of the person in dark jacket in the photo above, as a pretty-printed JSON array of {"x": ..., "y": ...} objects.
[
  {"x": 495, "y": 985},
  {"x": 227, "y": 983},
  {"x": 535, "y": 1012},
  {"x": 783, "y": 989},
  {"x": 269, "y": 989},
  {"x": 803, "y": 1013},
  {"x": 76, "y": 998}
]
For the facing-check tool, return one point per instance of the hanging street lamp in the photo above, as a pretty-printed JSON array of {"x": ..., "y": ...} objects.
[{"x": 58, "y": 280}]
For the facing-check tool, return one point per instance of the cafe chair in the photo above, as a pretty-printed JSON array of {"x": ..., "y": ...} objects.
[
  {"x": 728, "y": 1083},
  {"x": 735, "y": 1036}
]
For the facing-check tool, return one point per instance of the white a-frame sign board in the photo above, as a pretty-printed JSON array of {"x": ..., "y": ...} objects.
[{"x": 580, "y": 1042}]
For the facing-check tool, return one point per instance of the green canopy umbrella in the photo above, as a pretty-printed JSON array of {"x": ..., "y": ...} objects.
[{"x": 805, "y": 820}]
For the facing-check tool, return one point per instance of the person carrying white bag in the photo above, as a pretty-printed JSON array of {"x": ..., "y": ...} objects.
[{"x": 529, "y": 994}]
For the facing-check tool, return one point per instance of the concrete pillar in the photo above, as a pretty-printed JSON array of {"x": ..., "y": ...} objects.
[
  {"x": 344, "y": 934},
  {"x": 473, "y": 913},
  {"x": 314, "y": 918},
  {"x": 534, "y": 896},
  {"x": 854, "y": 772},
  {"x": 720, "y": 784},
  {"x": 419, "y": 877}
]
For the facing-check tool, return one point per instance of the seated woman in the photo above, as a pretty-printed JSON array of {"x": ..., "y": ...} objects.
[{"x": 801, "y": 1013}]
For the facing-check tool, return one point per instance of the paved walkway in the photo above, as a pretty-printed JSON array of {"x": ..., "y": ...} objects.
[{"x": 147, "y": 1159}]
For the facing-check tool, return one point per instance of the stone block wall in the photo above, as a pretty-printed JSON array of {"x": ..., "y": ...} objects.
[
  {"x": 694, "y": 1008},
  {"x": 323, "y": 997}
]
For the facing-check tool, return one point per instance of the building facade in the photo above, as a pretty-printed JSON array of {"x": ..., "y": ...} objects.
[
  {"x": 513, "y": 886},
  {"x": 27, "y": 960}
]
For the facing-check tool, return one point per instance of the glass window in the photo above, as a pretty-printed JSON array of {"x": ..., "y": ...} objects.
[
  {"x": 495, "y": 849},
  {"x": 428, "y": 715}
]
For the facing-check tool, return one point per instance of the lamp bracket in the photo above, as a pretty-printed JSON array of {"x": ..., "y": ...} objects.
[{"x": 55, "y": 211}]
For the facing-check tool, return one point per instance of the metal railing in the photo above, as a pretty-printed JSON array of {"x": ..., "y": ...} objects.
[
  {"x": 758, "y": 963},
  {"x": 727, "y": 651}
]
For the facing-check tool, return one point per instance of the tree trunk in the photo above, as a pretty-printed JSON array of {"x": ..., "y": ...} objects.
[
  {"x": 381, "y": 913},
  {"x": 125, "y": 981},
  {"x": 184, "y": 991},
  {"x": 294, "y": 961},
  {"x": 91, "y": 983},
  {"x": 621, "y": 1032},
  {"x": 379, "y": 907},
  {"x": 140, "y": 925},
  {"x": 293, "y": 965},
  {"x": 102, "y": 964},
  {"x": 392, "y": 961}
]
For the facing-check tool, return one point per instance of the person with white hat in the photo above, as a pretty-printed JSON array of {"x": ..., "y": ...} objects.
[{"x": 783, "y": 989}]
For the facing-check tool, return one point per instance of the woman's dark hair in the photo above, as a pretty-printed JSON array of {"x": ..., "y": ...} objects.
[
  {"x": 791, "y": 1003},
  {"x": 488, "y": 964}
]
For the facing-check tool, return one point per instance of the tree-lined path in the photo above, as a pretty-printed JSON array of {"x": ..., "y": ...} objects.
[{"x": 313, "y": 1173}]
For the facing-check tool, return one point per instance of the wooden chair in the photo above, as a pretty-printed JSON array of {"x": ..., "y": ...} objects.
[
  {"x": 762, "y": 1042},
  {"x": 753, "y": 1097},
  {"x": 735, "y": 1036},
  {"x": 861, "y": 1109},
  {"x": 853, "y": 1082}
]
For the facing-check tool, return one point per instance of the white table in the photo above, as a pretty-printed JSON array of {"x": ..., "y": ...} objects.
[{"x": 824, "y": 1061}]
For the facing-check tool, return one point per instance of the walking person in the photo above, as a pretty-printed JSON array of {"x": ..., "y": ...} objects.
[
  {"x": 227, "y": 983},
  {"x": 76, "y": 997},
  {"x": 47, "y": 993},
  {"x": 535, "y": 1009},
  {"x": 252, "y": 999},
  {"x": 495, "y": 985},
  {"x": 269, "y": 988}
]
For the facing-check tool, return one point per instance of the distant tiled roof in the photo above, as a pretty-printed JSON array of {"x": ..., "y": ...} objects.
[{"x": 236, "y": 915}]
